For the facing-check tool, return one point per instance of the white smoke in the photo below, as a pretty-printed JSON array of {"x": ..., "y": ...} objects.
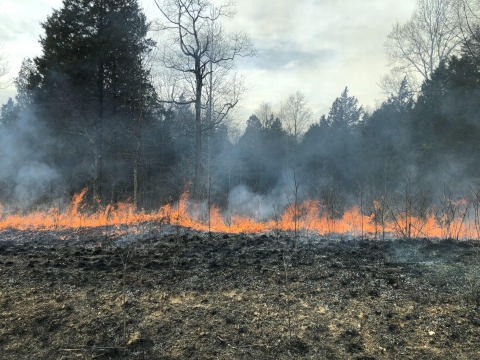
[
  {"x": 33, "y": 180},
  {"x": 23, "y": 160},
  {"x": 243, "y": 201}
]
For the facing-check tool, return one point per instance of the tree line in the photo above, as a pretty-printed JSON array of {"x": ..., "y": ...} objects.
[{"x": 91, "y": 112}]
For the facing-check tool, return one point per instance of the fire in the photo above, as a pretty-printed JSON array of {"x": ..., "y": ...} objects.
[{"x": 306, "y": 217}]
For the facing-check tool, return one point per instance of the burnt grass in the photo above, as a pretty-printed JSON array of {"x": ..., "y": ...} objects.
[{"x": 190, "y": 295}]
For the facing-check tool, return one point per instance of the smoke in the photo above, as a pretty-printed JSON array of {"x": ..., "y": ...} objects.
[
  {"x": 243, "y": 201},
  {"x": 33, "y": 180},
  {"x": 24, "y": 169}
]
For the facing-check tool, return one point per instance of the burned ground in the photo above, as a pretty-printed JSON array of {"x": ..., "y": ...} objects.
[{"x": 187, "y": 295}]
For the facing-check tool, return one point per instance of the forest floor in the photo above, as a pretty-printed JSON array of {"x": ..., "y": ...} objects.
[{"x": 144, "y": 293}]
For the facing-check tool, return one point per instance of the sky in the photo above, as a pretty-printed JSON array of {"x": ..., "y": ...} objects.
[{"x": 317, "y": 47}]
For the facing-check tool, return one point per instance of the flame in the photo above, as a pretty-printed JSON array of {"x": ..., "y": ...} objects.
[{"x": 308, "y": 217}]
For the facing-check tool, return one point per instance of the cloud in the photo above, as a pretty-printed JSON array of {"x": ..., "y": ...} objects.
[
  {"x": 290, "y": 64},
  {"x": 286, "y": 58},
  {"x": 315, "y": 46},
  {"x": 20, "y": 31}
]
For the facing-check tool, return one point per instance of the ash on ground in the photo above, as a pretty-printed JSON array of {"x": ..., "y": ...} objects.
[{"x": 160, "y": 292}]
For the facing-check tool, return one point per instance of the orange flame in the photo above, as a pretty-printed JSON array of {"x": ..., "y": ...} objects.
[{"x": 308, "y": 217}]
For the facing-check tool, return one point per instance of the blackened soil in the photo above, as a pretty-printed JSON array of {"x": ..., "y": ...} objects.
[{"x": 195, "y": 296}]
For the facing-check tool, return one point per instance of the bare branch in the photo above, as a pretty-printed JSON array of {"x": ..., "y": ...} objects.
[
  {"x": 431, "y": 36},
  {"x": 296, "y": 115},
  {"x": 197, "y": 49},
  {"x": 4, "y": 69}
]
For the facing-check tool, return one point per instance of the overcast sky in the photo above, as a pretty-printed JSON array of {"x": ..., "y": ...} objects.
[{"x": 315, "y": 46}]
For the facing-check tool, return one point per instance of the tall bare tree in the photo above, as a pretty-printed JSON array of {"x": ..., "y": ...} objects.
[
  {"x": 4, "y": 69},
  {"x": 195, "y": 46},
  {"x": 296, "y": 115},
  {"x": 143, "y": 99},
  {"x": 468, "y": 13},
  {"x": 265, "y": 114},
  {"x": 417, "y": 47}
]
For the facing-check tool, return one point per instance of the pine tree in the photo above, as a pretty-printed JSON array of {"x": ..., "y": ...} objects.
[
  {"x": 87, "y": 78},
  {"x": 345, "y": 112}
]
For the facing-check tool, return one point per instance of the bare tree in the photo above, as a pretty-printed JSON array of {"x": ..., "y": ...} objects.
[
  {"x": 296, "y": 206},
  {"x": 296, "y": 115},
  {"x": 143, "y": 101},
  {"x": 468, "y": 15},
  {"x": 224, "y": 89},
  {"x": 417, "y": 47},
  {"x": 4, "y": 69},
  {"x": 196, "y": 44},
  {"x": 265, "y": 114}
]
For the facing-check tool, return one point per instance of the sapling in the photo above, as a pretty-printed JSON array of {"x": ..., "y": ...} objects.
[
  {"x": 452, "y": 216},
  {"x": 476, "y": 208},
  {"x": 289, "y": 315},
  {"x": 275, "y": 216},
  {"x": 361, "y": 190},
  {"x": 125, "y": 255},
  {"x": 296, "y": 214}
]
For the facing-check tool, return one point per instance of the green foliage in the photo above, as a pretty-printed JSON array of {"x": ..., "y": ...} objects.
[
  {"x": 262, "y": 152},
  {"x": 345, "y": 112},
  {"x": 445, "y": 121},
  {"x": 92, "y": 88}
]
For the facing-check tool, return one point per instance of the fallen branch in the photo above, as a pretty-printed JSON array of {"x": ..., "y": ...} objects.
[{"x": 93, "y": 348}]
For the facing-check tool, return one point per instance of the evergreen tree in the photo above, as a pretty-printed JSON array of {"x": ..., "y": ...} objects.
[
  {"x": 385, "y": 141},
  {"x": 88, "y": 76},
  {"x": 445, "y": 121},
  {"x": 345, "y": 112},
  {"x": 8, "y": 114}
]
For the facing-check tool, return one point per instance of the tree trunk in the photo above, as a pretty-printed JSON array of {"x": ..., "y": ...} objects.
[
  {"x": 138, "y": 136},
  {"x": 135, "y": 184},
  {"x": 98, "y": 163},
  {"x": 135, "y": 167},
  {"x": 198, "y": 137}
]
